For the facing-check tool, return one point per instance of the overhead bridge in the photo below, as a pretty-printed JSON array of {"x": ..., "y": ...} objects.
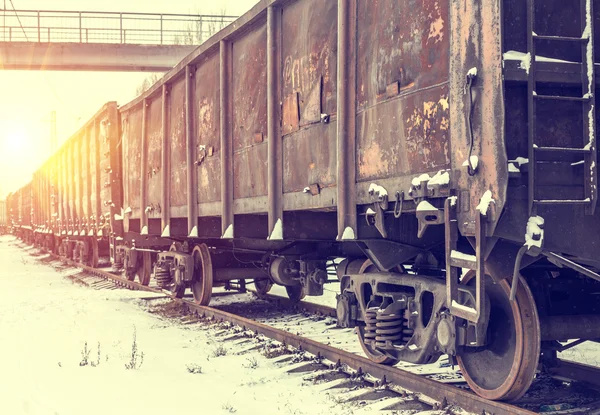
[{"x": 101, "y": 41}]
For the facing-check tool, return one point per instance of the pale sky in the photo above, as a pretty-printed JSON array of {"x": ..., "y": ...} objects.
[{"x": 28, "y": 97}]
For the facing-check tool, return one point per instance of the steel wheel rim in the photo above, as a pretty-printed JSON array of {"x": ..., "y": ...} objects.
[
  {"x": 295, "y": 293},
  {"x": 202, "y": 283},
  {"x": 177, "y": 291},
  {"x": 522, "y": 362},
  {"x": 144, "y": 271},
  {"x": 262, "y": 287}
]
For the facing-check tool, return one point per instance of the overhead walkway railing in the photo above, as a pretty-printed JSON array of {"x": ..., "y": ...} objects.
[{"x": 45, "y": 26}]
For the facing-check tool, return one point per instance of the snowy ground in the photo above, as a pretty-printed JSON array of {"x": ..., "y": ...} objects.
[
  {"x": 47, "y": 368},
  {"x": 45, "y": 321}
]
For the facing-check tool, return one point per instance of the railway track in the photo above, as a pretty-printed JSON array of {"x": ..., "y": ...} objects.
[{"x": 426, "y": 391}]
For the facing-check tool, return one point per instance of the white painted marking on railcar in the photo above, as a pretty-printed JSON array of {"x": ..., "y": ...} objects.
[
  {"x": 228, "y": 232},
  {"x": 277, "y": 234},
  {"x": 348, "y": 234}
]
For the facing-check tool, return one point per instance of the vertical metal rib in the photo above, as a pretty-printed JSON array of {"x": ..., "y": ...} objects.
[
  {"x": 192, "y": 189},
  {"x": 166, "y": 163},
  {"x": 531, "y": 103},
  {"x": 144, "y": 168},
  {"x": 226, "y": 146},
  {"x": 275, "y": 187},
  {"x": 346, "y": 88}
]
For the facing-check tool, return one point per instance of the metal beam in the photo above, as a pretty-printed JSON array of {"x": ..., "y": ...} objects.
[{"x": 91, "y": 56}]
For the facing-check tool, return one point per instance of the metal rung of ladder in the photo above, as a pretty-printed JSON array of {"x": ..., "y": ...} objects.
[
  {"x": 456, "y": 260},
  {"x": 563, "y": 202},
  {"x": 564, "y": 150},
  {"x": 589, "y": 151},
  {"x": 561, "y": 38},
  {"x": 562, "y": 98}
]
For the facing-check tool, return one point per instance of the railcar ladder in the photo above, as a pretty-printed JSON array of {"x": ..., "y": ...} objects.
[
  {"x": 589, "y": 151},
  {"x": 456, "y": 260}
]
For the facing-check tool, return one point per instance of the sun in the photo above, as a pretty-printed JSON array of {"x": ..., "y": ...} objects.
[{"x": 16, "y": 142}]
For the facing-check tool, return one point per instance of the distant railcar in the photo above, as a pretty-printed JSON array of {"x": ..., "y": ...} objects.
[{"x": 445, "y": 150}]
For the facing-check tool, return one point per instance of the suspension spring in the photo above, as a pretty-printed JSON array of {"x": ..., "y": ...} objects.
[
  {"x": 391, "y": 328},
  {"x": 371, "y": 324},
  {"x": 118, "y": 262},
  {"x": 162, "y": 274}
]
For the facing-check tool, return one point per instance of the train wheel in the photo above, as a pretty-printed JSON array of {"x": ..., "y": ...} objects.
[
  {"x": 505, "y": 368},
  {"x": 144, "y": 270},
  {"x": 372, "y": 353},
  {"x": 202, "y": 283},
  {"x": 262, "y": 287},
  {"x": 93, "y": 252},
  {"x": 295, "y": 293},
  {"x": 176, "y": 290}
]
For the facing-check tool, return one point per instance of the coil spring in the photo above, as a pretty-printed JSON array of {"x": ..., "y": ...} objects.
[
  {"x": 118, "y": 262},
  {"x": 371, "y": 324},
  {"x": 384, "y": 328},
  {"x": 162, "y": 276},
  {"x": 392, "y": 328}
]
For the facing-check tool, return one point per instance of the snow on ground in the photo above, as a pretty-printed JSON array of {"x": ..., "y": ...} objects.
[{"x": 45, "y": 321}]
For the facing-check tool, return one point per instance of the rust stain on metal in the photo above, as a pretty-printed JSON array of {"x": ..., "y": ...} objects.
[
  {"x": 309, "y": 53},
  {"x": 249, "y": 92},
  {"x": 176, "y": 128},
  {"x": 154, "y": 165},
  {"x": 402, "y": 97},
  {"x": 476, "y": 43},
  {"x": 291, "y": 114},
  {"x": 208, "y": 133},
  {"x": 310, "y": 59}
]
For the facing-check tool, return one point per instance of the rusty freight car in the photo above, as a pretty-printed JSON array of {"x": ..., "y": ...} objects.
[
  {"x": 308, "y": 130},
  {"x": 445, "y": 150},
  {"x": 3, "y": 217},
  {"x": 20, "y": 212},
  {"x": 77, "y": 192}
]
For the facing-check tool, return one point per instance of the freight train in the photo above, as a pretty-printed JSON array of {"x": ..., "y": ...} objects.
[{"x": 446, "y": 150}]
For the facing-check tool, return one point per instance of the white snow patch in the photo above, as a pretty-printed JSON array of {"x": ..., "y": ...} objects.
[
  {"x": 47, "y": 379},
  {"x": 453, "y": 200},
  {"x": 277, "y": 234},
  {"x": 441, "y": 178},
  {"x": 144, "y": 231},
  {"x": 534, "y": 226},
  {"x": 128, "y": 210},
  {"x": 118, "y": 217},
  {"x": 348, "y": 234},
  {"x": 513, "y": 169},
  {"x": 592, "y": 130},
  {"x": 420, "y": 179},
  {"x": 577, "y": 163},
  {"x": 474, "y": 162},
  {"x": 462, "y": 256},
  {"x": 228, "y": 232},
  {"x": 472, "y": 72},
  {"x": 370, "y": 212},
  {"x": 485, "y": 202},
  {"x": 194, "y": 232},
  {"x": 425, "y": 205},
  {"x": 377, "y": 190},
  {"x": 166, "y": 232},
  {"x": 520, "y": 161}
]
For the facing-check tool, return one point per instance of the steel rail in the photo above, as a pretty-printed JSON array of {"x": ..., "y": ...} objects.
[{"x": 409, "y": 381}]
